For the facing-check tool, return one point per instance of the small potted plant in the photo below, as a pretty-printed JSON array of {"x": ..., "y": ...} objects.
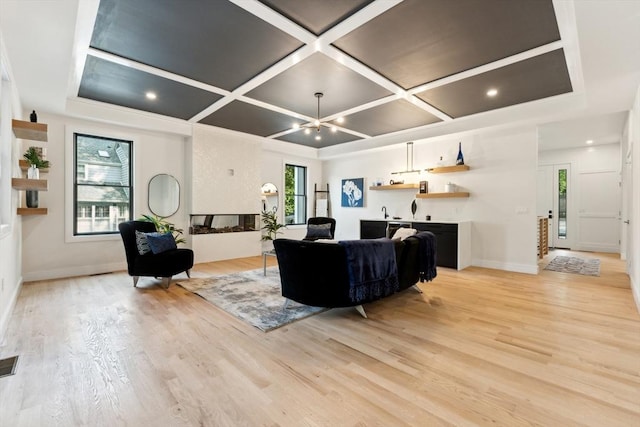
[
  {"x": 271, "y": 225},
  {"x": 35, "y": 159}
]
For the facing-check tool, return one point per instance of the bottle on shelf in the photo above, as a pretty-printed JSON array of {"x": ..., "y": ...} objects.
[{"x": 460, "y": 158}]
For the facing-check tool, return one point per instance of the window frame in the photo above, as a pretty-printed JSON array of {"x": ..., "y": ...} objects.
[
  {"x": 305, "y": 196},
  {"x": 71, "y": 177}
]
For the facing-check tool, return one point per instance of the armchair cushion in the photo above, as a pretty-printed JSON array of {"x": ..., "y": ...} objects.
[
  {"x": 319, "y": 231},
  {"x": 159, "y": 242}
]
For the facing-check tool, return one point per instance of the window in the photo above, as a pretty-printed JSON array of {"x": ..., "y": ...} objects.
[
  {"x": 102, "y": 191},
  {"x": 295, "y": 194}
]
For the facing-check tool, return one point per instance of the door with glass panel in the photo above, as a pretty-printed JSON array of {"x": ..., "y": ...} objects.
[{"x": 563, "y": 229}]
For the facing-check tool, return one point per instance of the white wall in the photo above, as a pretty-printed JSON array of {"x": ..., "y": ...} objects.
[
  {"x": 601, "y": 161},
  {"x": 502, "y": 183},
  {"x": 274, "y": 158},
  {"x": 224, "y": 178},
  {"x": 633, "y": 229},
  {"x": 48, "y": 252},
  {"x": 10, "y": 222}
]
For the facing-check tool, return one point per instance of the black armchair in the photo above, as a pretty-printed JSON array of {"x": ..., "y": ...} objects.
[
  {"x": 164, "y": 264},
  {"x": 320, "y": 227}
]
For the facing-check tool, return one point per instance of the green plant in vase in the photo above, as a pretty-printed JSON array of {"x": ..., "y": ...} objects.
[
  {"x": 34, "y": 158},
  {"x": 164, "y": 226},
  {"x": 271, "y": 225}
]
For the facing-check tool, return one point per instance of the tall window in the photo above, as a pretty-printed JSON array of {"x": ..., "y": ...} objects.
[
  {"x": 295, "y": 194},
  {"x": 102, "y": 192},
  {"x": 562, "y": 204}
]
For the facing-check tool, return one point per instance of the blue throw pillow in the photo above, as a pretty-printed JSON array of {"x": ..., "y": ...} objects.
[
  {"x": 159, "y": 242},
  {"x": 319, "y": 231}
]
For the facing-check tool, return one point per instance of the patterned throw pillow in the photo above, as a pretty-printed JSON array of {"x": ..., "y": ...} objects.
[
  {"x": 159, "y": 242},
  {"x": 403, "y": 232},
  {"x": 142, "y": 243}
]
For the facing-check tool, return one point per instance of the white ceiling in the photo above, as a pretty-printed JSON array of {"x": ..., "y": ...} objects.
[{"x": 45, "y": 38}]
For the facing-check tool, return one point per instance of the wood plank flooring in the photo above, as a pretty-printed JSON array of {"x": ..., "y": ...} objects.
[{"x": 479, "y": 347}]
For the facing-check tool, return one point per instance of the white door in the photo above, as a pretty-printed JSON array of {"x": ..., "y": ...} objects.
[
  {"x": 599, "y": 211},
  {"x": 544, "y": 205},
  {"x": 627, "y": 187}
]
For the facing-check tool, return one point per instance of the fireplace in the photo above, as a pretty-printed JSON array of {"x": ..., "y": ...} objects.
[{"x": 223, "y": 223}]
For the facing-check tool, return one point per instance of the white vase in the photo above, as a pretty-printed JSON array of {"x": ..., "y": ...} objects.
[{"x": 33, "y": 172}]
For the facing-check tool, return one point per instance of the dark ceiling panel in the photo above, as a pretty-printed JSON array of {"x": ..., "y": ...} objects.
[
  {"x": 248, "y": 118},
  {"x": 343, "y": 88},
  {"x": 115, "y": 84},
  {"x": 328, "y": 138},
  {"x": 215, "y": 42},
  {"x": 389, "y": 117},
  {"x": 316, "y": 16},
  {"x": 536, "y": 78},
  {"x": 420, "y": 41}
]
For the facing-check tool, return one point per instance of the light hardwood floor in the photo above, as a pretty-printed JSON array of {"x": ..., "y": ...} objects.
[{"x": 478, "y": 347}]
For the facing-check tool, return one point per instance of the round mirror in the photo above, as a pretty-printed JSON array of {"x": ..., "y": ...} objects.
[
  {"x": 269, "y": 197},
  {"x": 164, "y": 195}
]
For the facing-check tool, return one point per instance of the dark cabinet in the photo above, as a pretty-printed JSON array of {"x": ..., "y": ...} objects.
[
  {"x": 373, "y": 229},
  {"x": 446, "y": 241}
]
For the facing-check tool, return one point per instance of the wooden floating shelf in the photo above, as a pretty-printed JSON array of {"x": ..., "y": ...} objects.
[
  {"x": 24, "y": 165},
  {"x": 32, "y": 211},
  {"x": 448, "y": 169},
  {"x": 29, "y": 130},
  {"x": 441, "y": 195},
  {"x": 394, "y": 187},
  {"x": 29, "y": 184}
]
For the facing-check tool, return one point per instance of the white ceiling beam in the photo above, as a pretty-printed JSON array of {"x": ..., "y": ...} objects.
[
  {"x": 155, "y": 71},
  {"x": 85, "y": 21},
  {"x": 275, "y": 108},
  {"x": 488, "y": 67},
  {"x": 356, "y": 20},
  {"x": 566, "y": 18},
  {"x": 278, "y": 21}
]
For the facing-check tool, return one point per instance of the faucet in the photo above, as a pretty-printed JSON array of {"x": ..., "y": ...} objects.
[{"x": 384, "y": 209}]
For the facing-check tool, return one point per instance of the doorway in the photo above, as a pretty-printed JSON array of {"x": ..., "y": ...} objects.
[{"x": 554, "y": 191}]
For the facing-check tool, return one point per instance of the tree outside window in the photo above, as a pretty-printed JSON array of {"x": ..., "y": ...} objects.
[{"x": 295, "y": 194}]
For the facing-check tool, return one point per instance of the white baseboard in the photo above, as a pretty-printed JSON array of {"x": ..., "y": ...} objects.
[
  {"x": 4, "y": 320},
  {"x": 85, "y": 270},
  {"x": 507, "y": 266}
]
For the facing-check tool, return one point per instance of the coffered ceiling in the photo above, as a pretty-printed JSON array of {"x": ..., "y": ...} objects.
[{"x": 383, "y": 66}]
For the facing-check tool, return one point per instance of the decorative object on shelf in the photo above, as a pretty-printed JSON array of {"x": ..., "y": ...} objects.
[
  {"x": 163, "y": 226},
  {"x": 271, "y": 225},
  {"x": 409, "y": 168},
  {"x": 450, "y": 187},
  {"x": 428, "y": 217},
  {"x": 34, "y": 156},
  {"x": 424, "y": 186},
  {"x": 414, "y": 208},
  {"x": 353, "y": 193},
  {"x": 460, "y": 158},
  {"x": 32, "y": 198},
  {"x": 396, "y": 182},
  {"x": 317, "y": 124},
  {"x": 33, "y": 117}
]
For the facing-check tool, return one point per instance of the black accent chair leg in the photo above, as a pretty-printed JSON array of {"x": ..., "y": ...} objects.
[
  {"x": 135, "y": 281},
  {"x": 188, "y": 273},
  {"x": 166, "y": 281}
]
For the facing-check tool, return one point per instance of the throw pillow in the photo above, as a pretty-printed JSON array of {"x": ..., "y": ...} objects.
[
  {"x": 142, "y": 243},
  {"x": 403, "y": 233},
  {"x": 319, "y": 231},
  {"x": 159, "y": 242}
]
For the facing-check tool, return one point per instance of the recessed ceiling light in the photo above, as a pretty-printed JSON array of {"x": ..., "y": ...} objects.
[
  {"x": 492, "y": 92},
  {"x": 151, "y": 95},
  {"x": 340, "y": 120},
  {"x": 589, "y": 141},
  {"x": 296, "y": 125},
  {"x": 307, "y": 131},
  {"x": 334, "y": 129},
  {"x": 318, "y": 137}
]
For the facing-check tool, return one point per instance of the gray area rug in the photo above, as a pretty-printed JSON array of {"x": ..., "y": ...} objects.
[
  {"x": 569, "y": 264},
  {"x": 252, "y": 297}
]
